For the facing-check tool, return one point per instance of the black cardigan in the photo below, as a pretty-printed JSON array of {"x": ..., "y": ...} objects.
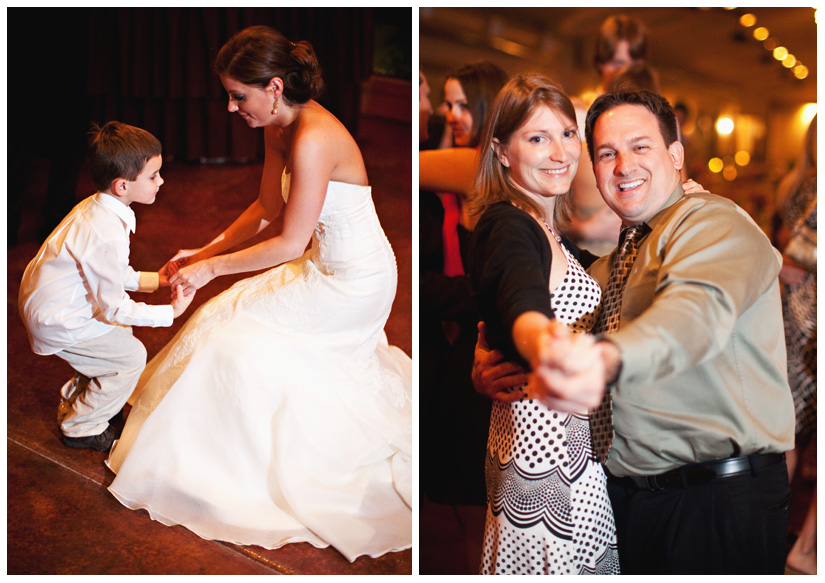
[{"x": 509, "y": 266}]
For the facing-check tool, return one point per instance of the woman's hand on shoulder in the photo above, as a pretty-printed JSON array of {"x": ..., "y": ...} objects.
[{"x": 692, "y": 187}]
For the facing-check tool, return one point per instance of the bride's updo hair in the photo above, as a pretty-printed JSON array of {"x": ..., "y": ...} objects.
[{"x": 256, "y": 54}]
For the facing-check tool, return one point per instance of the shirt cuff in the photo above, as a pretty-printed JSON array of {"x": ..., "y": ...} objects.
[{"x": 148, "y": 281}]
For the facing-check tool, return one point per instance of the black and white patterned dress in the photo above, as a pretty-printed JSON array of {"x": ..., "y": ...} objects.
[
  {"x": 799, "y": 316},
  {"x": 547, "y": 505}
]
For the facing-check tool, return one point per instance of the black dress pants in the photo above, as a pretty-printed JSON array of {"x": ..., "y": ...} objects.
[{"x": 731, "y": 525}]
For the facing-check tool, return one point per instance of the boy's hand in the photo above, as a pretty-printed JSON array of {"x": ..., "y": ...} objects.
[
  {"x": 163, "y": 277},
  {"x": 182, "y": 258},
  {"x": 180, "y": 301}
]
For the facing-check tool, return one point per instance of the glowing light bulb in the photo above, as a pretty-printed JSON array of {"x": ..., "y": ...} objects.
[
  {"x": 761, "y": 33},
  {"x": 747, "y": 20},
  {"x": 808, "y": 113},
  {"x": 780, "y": 53},
  {"x": 800, "y": 71},
  {"x": 715, "y": 165},
  {"x": 724, "y": 125}
]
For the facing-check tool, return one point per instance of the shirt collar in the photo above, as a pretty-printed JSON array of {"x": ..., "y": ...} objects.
[
  {"x": 126, "y": 214},
  {"x": 674, "y": 197}
]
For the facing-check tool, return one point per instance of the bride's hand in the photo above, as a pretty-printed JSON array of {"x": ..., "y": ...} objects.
[
  {"x": 193, "y": 276},
  {"x": 181, "y": 258}
]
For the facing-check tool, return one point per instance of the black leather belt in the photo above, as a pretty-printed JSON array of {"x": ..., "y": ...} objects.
[{"x": 702, "y": 473}]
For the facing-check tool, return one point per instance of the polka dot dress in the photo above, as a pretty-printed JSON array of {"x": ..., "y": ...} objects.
[{"x": 547, "y": 505}]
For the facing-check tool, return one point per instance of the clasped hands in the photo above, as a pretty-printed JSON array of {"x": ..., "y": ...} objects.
[
  {"x": 186, "y": 270},
  {"x": 568, "y": 372}
]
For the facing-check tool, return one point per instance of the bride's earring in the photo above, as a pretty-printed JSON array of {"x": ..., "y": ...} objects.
[{"x": 274, "y": 103}]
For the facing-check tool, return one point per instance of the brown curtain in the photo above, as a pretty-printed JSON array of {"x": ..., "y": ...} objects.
[
  {"x": 150, "y": 67},
  {"x": 153, "y": 69}
]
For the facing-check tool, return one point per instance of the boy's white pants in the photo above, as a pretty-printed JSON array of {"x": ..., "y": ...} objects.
[{"x": 108, "y": 369}]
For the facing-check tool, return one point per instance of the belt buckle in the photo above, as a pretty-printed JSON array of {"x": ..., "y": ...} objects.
[{"x": 652, "y": 483}]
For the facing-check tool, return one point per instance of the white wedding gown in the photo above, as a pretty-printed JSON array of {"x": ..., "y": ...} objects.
[{"x": 279, "y": 413}]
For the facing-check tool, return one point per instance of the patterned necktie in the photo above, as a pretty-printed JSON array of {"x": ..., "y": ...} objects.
[{"x": 601, "y": 418}]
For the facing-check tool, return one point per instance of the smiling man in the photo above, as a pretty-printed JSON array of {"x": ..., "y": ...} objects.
[{"x": 702, "y": 411}]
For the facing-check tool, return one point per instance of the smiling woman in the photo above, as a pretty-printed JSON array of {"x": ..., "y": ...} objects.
[
  {"x": 542, "y": 155},
  {"x": 544, "y": 484}
]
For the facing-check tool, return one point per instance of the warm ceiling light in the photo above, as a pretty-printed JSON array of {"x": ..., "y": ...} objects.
[
  {"x": 789, "y": 61},
  {"x": 747, "y": 20},
  {"x": 724, "y": 125},
  {"x": 761, "y": 33},
  {"x": 808, "y": 113},
  {"x": 715, "y": 164},
  {"x": 742, "y": 158},
  {"x": 800, "y": 71},
  {"x": 779, "y": 53},
  {"x": 770, "y": 44},
  {"x": 729, "y": 173}
]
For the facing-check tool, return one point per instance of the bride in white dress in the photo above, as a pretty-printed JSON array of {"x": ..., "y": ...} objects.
[{"x": 279, "y": 413}]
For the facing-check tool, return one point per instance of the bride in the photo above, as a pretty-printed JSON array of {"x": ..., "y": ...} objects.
[{"x": 279, "y": 413}]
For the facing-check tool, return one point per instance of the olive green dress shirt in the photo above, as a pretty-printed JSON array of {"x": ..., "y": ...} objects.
[{"x": 703, "y": 372}]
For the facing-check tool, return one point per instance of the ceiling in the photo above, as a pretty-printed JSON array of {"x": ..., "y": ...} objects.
[{"x": 703, "y": 56}]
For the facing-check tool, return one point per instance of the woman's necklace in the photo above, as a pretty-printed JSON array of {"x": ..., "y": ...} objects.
[{"x": 552, "y": 232}]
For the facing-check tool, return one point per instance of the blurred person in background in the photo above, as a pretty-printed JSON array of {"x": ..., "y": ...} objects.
[
  {"x": 454, "y": 417},
  {"x": 797, "y": 239}
]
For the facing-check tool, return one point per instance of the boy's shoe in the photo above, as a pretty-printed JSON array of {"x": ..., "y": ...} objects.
[{"x": 102, "y": 442}]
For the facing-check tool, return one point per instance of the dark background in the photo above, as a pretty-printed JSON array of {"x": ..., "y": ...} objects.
[{"x": 152, "y": 68}]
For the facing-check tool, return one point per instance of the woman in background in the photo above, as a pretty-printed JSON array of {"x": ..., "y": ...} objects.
[
  {"x": 797, "y": 201},
  {"x": 454, "y": 417}
]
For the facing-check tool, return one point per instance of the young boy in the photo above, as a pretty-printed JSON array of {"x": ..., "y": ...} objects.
[{"x": 73, "y": 297}]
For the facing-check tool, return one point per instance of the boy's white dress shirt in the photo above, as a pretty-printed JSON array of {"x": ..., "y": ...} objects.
[{"x": 75, "y": 288}]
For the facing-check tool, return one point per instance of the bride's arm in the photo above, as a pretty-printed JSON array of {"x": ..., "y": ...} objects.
[
  {"x": 257, "y": 216},
  {"x": 312, "y": 164}
]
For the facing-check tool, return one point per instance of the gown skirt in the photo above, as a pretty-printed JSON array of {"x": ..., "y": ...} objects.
[{"x": 279, "y": 413}]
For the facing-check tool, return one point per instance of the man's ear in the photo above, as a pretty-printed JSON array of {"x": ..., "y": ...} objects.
[
  {"x": 500, "y": 152},
  {"x": 677, "y": 154}
]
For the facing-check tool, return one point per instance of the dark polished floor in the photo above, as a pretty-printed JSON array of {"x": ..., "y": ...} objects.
[{"x": 60, "y": 517}]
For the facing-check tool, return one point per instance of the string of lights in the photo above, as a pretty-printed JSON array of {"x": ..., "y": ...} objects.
[{"x": 772, "y": 44}]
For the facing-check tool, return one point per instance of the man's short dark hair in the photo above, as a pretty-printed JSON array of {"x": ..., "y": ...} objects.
[{"x": 653, "y": 102}]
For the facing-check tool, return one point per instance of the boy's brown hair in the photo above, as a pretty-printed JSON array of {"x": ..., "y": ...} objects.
[{"x": 118, "y": 150}]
